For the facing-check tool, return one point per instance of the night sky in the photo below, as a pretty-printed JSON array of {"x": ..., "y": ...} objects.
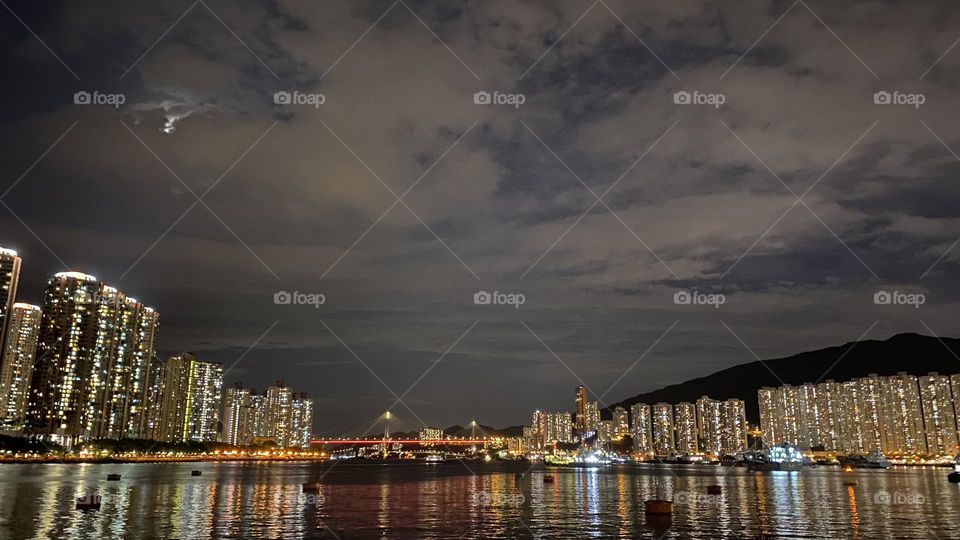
[{"x": 797, "y": 199}]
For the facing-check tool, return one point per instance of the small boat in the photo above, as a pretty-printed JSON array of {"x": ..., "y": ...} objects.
[
  {"x": 780, "y": 457},
  {"x": 89, "y": 502},
  {"x": 518, "y": 476},
  {"x": 873, "y": 460},
  {"x": 312, "y": 487},
  {"x": 714, "y": 490},
  {"x": 954, "y": 477},
  {"x": 658, "y": 506},
  {"x": 851, "y": 482},
  {"x": 195, "y": 472},
  {"x": 434, "y": 458},
  {"x": 729, "y": 460},
  {"x": 548, "y": 479},
  {"x": 113, "y": 477}
]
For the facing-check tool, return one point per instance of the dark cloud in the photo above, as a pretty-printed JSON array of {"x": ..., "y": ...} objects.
[{"x": 295, "y": 190}]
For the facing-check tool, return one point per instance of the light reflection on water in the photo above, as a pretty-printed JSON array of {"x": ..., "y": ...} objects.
[{"x": 265, "y": 500}]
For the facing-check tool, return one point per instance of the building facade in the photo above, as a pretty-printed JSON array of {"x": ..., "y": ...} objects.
[
  {"x": 16, "y": 364},
  {"x": 190, "y": 403},
  {"x": 899, "y": 414},
  {"x": 9, "y": 278},
  {"x": 662, "y": 433},
  {"x": 642, "y": 428}
]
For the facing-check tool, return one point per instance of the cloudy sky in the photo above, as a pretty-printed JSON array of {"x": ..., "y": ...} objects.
[{"x": 399, "y": 197}]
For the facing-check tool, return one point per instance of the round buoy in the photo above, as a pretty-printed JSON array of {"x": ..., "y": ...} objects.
[{"x": 658, "y": 507}]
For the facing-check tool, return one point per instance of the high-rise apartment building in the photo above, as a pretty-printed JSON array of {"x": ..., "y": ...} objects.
[
  {"x": 830, "y": 403},
  {"x": 810, "y": 417},
  {"x": 580, "y": 412},
  {"x": 93, "y": 353},
  {"x": 621, "y": 423},
  {"x": 870, "y": 410},
  {"x": 769, "y": 420},
  {"x": 236, "y": 416},
  {"x": 65, "y": 390},
  {"x": 902, "y": 415},
  {"x": 939, "y": 420},
  {"x": 593, "y": 416},
  {"x": 538, "y": 430},
  {"x": 642, "y": 428},
  {"x": 301, "y": 421},
  {"x": 190, "y": 406},
  {"x": 9, "y": 277},
  {"x": 734, "y": 426},
  {"x": 685, "y": 424},
  {"x": 709, "y": 426},
  {"x": 662, "y": 421},
  {"x": 279, "y": 403},
  {"x": 16, "y": 364},
  {"x": 605, "y": 431},
  {"x": 559, "y": 428}
]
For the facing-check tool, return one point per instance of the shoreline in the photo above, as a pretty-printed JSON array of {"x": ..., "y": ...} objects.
[{"x": 353, "y": 462}]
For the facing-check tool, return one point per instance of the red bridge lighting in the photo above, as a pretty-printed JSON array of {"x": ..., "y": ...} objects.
[{"x": 448, "y": 442}]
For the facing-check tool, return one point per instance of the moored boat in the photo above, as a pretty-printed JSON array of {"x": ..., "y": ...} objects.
[
  {"x": 873, "y": 460},
  {"x": 780, "y": 457}
]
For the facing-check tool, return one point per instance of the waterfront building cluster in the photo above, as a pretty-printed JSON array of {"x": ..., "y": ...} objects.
[
  {"x": 897, "y": 415},
  {"x": 707, "y": 427},
  {"x": 83, "y": 366},
  {"x": 278, "y": 414}
]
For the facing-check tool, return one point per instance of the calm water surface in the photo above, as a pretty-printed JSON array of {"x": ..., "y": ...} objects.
[{"x": 265, "y": 500}]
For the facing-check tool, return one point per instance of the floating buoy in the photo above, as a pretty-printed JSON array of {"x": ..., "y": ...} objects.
[
  {"x": 195, "y": 472},
  {"x": 954, "y": 477},
  {"x": 548, "y": 479},
  {"x": 657, "y": 506},
  {"x": 714, "y": 490},
  {"x": 89, "y": 502},
  {"x": 113, "y": 477},
  {"x": 851, "y": 482}
]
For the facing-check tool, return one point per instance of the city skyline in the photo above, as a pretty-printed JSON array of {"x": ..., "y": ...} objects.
[
  {"x": 12, "y": 255},
  {"x": 83, "y": 366}
]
